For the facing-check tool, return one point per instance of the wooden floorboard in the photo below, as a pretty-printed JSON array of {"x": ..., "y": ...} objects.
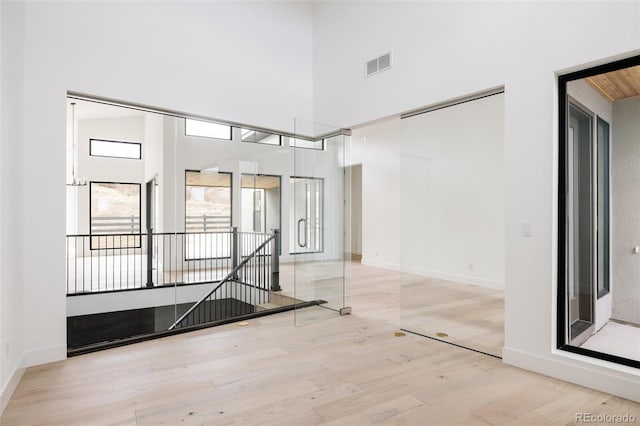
[{"x": 351, "y": 370}]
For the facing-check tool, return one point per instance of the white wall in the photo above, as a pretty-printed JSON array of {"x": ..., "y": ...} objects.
[
  {"x": 377, "y": 148},
  {"x": 453, "y": 193},
  {"x": 137, "y": 299},
  {"x": 626, "y": 203},
  {"x": 154, "y": 160},
  {"x": 588, "y": 97},
  {"x": 188, "y": 56},
  {"x": 444, "y": 50},
  {"x": 11, "y": 199},
  {"x": 106, "y": 169},
  {"x": 449, "y": 221}
]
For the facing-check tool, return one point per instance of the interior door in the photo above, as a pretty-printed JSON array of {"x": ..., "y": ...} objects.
[
  {"x": 317, "y": 238},
  {"x": 307, "y": 226},
  {"x": 580, "y": 218}
]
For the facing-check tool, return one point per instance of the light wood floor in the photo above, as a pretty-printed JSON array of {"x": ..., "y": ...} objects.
[{"x": 350, "y": 370}]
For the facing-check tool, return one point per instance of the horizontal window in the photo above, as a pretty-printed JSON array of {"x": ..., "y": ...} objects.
[
  {"x": 116, "y": 149},
  {"x": 261, "y": 137},
  {"x": 307, "y": 144},
  {"x": 206, "y": 129}
]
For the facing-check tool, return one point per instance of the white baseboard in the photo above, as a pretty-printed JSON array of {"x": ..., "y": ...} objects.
[
  {"x": 29, "y": 359},
  {"x": 464, "y": 279},
  {"x": 10, "y": 387},
  {"x": 379, "y": 264},
  {"x": 596, "y": 374},
  {"x": 44, "y": 355}
]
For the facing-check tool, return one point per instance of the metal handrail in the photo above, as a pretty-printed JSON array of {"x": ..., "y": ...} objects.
[
  {"x": 228, "y": 277},
  {"x": 155, "y": 233}
]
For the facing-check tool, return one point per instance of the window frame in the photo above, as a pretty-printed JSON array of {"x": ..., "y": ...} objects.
[
  {"x": 607, "y": 205},
  {"x": 279, "y": 203},
  {"x": 561, "y": 237},
  {"x": 91, "y": 140},
  {"x": 91, "y": 233},
  {"x": 186, "y": 119},
  {"x": 192, "y": 259},
  {"x": 258, "y": 142}
]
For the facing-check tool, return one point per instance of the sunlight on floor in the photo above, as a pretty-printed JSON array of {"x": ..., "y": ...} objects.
[{"x": 616, "y": 339}]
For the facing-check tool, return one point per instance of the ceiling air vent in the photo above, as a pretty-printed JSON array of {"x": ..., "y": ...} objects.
[{"x": 379, "y": 64}]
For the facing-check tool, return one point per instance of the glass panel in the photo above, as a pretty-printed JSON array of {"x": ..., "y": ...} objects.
[
  {"x": 580, "y": 226},
  {"x": 452, "y": 224},
  {"x": 306, "y": 230},
  {"x": 182, "y": 230},
  {"x": 317, "y": 223},
  {"x": 603, "y": 207},
  {"x": 260, "y": 137},
  {"x": 149, "y": 260},
  {"x": 307, "y": 144}
]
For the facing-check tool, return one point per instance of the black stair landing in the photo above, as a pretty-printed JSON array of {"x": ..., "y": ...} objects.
[{"x": 89, "y": 330}]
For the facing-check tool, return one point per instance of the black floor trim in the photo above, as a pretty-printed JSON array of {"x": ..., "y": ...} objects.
[
  {"x": 160, "y": 334},
  {"x": 451, "y": 343}
]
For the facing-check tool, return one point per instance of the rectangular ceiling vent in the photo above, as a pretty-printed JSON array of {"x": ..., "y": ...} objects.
[{"x": 377, "y": 65}]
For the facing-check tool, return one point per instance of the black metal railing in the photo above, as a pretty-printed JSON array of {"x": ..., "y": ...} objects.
[
  {"x": 115, "y": 262},
  {"x": 249, "y": 282}
]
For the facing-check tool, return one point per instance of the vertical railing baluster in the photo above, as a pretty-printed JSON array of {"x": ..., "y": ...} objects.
[
  {"x": 99, "y": 260},
  {"x": 140, "y": 258},
  {"x": 275, "y": 261},
  {"x": 91, "y": 263},
  {"x": 157, "y": 255},
  {"x": 68, "y": 253},
  {"x": 127, "y": 257},
  {"x": 106, "y": 264},
  {"x": 83, "y": 263}
]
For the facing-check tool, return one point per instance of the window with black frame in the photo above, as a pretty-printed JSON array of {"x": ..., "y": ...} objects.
[
  {"x": 207, "y": 214},
  {"x": 114, "y": 215},
  {"x": 598, "y": 220}
]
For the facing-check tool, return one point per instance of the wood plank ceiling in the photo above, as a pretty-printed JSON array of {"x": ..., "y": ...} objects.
[
  {"x": 260, "y": 181},
  {"x": 223, "y": 180},
  {"x": 617, "y": 85}
]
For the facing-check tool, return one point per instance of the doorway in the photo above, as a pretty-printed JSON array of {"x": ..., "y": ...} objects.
[
  {"x": 580, "y": 189},
  {"x": 354, "y": 211}
]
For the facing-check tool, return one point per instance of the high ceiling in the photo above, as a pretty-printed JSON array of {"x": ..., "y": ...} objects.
[{"x": 617, "y": 85}]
